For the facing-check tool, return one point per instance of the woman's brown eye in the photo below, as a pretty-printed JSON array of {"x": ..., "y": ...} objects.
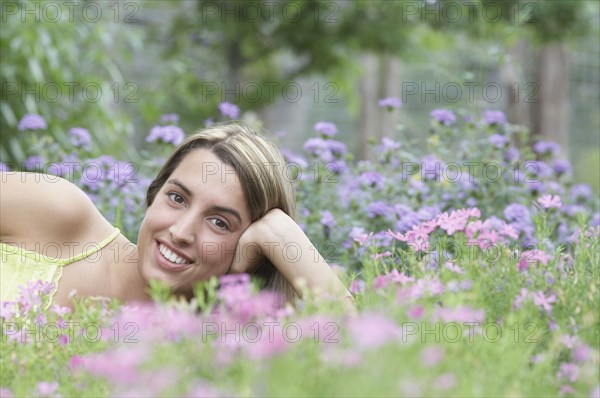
[
  {"x": 175, "y": 197},
  {"x": 220, "y": 224}
]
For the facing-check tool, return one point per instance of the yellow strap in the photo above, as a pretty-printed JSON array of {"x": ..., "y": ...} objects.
[{"x": 91, "y": 250}]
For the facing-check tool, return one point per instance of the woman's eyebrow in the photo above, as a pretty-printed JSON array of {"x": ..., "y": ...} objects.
[
  {"x": 185, "y": 189},
  {"x": 188, "y": 192},
  {"x": 229, "y": 210}
]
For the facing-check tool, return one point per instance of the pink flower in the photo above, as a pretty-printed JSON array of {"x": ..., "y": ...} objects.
[
  {"x": 357, "y": 286},
  {"x": 566, "y": 390},
  {"x": 7, "y": 310},
  {"x": 372, "y": 330},
  {"x": 542, "y": 301},
  {"x": 509, "y": 231},
  {"x": 63, "y": 339},
  {"x": 550, "y": 201},
  {"x": 380, "y": 281},
  {"x": 569, "y": 340},
  {"x": 568, "y": 371},
  {"x": 47, "y": 388},
  {"x": 518, "y": 303},
  {"x": 581, "y": 353},
  {"x": 363, "y": 238},
  {"x": 202, "y": 388},
  {"x": 445, "y": 381},
  {"x": 415, "y": 312},
  {"x": 454, "y": 268},
  {"x": 377, "y": 256},
  {"x": 336, "y": 356},
  {"x": 399, "y": 277},
  {"x": 459, "y": 314},
  {"x": 395, "y": 235},
  {"x": 530, "y": 256},
  {"x": 431, "y": 356}
]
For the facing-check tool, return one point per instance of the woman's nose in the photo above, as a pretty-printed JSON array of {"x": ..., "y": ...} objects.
[{"x": 182, "y": 231}]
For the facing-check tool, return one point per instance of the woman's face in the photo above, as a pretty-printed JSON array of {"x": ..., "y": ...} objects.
[{"x": 191, "y": 230}]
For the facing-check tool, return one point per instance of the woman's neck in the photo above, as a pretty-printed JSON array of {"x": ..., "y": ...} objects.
[{"x": 124, "y": 281}]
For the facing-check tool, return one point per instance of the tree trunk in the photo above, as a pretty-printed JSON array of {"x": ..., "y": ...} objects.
[
  {"x": 551, "y": 111},
  {"x": 515, "y": 83},
  {"x": 390, "y": 83},
  {"x": 369, "y": 116}
]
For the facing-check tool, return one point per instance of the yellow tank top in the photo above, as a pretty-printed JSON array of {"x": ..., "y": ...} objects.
[{"x": 19, "y": 266}]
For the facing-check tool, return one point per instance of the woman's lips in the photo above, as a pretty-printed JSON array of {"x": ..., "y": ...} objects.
[{"x": 166, "y": 264}]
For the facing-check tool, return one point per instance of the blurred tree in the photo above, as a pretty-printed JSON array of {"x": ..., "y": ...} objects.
[
  {"x": 258, "y": 49},
  {"x": 58, "y": 62},
  {"x": 539, "y": 31}
]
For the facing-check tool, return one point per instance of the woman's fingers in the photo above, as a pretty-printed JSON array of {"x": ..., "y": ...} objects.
[{"x": 248, "y": 257}]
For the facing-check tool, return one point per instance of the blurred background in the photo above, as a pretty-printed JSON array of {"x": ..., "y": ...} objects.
[{"x": 115, "y": 67}]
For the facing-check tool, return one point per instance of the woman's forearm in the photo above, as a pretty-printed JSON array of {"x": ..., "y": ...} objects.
[{"x": 293, "y": 254}]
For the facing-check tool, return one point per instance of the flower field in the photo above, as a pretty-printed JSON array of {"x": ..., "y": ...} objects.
[{"x": 473, "y": 258}]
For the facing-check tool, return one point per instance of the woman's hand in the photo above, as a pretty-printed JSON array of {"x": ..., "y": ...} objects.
[
  {"x": 277, "y": 237},
  {"x": 253, "y": 245}
]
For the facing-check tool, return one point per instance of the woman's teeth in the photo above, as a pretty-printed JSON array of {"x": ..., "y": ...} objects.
[{"x": 172, "y": 257}]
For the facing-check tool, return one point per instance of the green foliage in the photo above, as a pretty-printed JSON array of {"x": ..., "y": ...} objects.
[{"x": 64, "y": 70}]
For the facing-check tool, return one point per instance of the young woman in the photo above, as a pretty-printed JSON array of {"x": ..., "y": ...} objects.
[{"x": 220, "y": 204}]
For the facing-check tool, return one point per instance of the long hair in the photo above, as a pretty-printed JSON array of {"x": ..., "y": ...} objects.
[{"x": 261, "y": 170}]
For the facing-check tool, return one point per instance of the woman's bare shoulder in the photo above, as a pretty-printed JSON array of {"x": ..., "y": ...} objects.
[{"x": 41, "y": 205}]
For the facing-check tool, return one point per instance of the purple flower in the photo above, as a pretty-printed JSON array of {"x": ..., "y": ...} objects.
[
  {"x": 315, "y": 146},
  {"x": 336, "y": 147},
  {"x": 546, "y": 147},
  {"x": 230, "y": 110},
  {"x": 431, "y": 167},
  {"x": 378, "y": 208},
  {"x": 32, "y": 122},
  {"x": 499, "y": 141},
  {"x": 326, "y": 129},
  {"x": 427, "y": 213},
  {"x": 34, "y": 162},
  {"x": 80, "y": 138},
  {"x": 390, "y": 103},
  {"x": 327, "y": 150},
  {"x": 372, "y": 178},
  {"x": 561, "y": 166},
  {"x": 327, "y": 219},
  {"x": 538, "y": 168},
  {"x": 511, "y": 154},
  {"x": 293, "y": 158},
  {"x": 443, "y": 116},
  {"x": 571, "y": 210},
  {"x": 169, "y": 118},
  {"x": 169, "y": 134},
  {"x": 4, "y": 167},
  {"x": 595, "y": 221},
  {"x": 581, "y": 192},
  {"x": 494, "y": 117},
  {"x": 387, "y": 144},
  {"x": 516, "y": 212}
]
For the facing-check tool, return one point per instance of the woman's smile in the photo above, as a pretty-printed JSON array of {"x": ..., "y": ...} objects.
[{"x": 169, "y": 259}]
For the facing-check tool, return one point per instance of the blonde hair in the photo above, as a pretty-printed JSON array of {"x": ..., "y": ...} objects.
[{"x": 260, "y": 167}]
